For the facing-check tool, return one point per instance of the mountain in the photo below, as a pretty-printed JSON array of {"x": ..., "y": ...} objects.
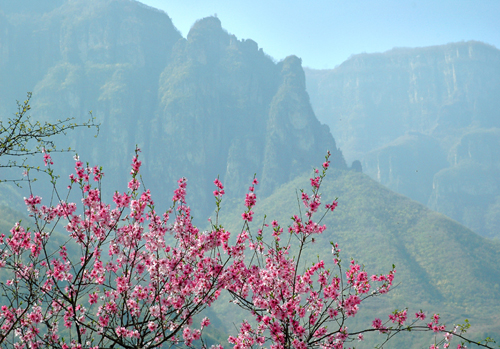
[
  {"x": 410, "y": 116},
  {"x": 250, "y": 115},
  {"x": 441, "y": 266},
  {"x": 199, "y": 107}
]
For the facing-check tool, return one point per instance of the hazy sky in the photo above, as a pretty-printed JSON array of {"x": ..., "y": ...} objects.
[{"x": 324, "y": 33}]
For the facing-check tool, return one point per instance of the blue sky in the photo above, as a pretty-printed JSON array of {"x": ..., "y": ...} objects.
[{"x": 324, "y": 33}]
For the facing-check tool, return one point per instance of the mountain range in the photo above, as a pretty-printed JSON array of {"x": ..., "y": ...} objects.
[
  {"x": 423, "y": 121},
  {"x": 203, "y": 106}
]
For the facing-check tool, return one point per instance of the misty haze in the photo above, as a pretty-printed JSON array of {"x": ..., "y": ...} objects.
[{"x": 413, "y": 133}]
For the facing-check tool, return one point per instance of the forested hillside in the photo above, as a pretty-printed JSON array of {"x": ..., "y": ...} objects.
[{"x": 440, "y": 264}]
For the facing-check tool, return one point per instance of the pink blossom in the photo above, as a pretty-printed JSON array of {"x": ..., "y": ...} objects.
[
  {"x": 420, "y": 315},
  {"x": 47, "y": 159}
]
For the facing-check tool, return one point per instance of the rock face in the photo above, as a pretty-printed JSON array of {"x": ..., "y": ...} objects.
[
  {"x": 409, "y": 110},
  {"x": 372, "y": 99},
  {"x": 203, "y": 106},
  {"x": 226, "y": 109},
  {"x": 407, "y": 165},
  {"x": 470, "y": 187}
]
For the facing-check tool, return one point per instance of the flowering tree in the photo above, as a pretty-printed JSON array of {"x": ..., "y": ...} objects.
[
  {"x": 17, "y": 134},
  {"x": 122, "y": 284},
  {"x": 120, "y": 280}
]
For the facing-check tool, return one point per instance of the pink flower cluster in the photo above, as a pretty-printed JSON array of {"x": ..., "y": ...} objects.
[
  {"x": 47, "y": 159},
  {"x": 142, "y": 278},
  {"x": 130, "y": 277}
]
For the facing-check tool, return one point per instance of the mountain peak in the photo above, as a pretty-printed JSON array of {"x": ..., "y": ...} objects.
[
  {"x": 211, "y": 25},
  {"x": 292, "y": 72}
]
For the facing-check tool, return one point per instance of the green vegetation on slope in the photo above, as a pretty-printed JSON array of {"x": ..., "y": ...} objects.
[{"x": 442, "y": 266}]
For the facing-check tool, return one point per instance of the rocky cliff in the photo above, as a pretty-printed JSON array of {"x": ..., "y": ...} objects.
[
  {"x": 225, "y": 108},
  {"x": 411, "y": 116},
  {"x": 203, "y": 106},
  {"x": 372, "y": 99}
]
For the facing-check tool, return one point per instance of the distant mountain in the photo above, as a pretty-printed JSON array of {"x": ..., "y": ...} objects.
[
  {"x": 410, "y": 116},
  {"x": 441, "y": 265},
  {"x": 199, "y": 107}
]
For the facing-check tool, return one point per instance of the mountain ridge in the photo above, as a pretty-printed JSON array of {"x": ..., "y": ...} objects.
[
  {"x": 445, "y": 93},
  {"x": 149, "y": 86}
]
